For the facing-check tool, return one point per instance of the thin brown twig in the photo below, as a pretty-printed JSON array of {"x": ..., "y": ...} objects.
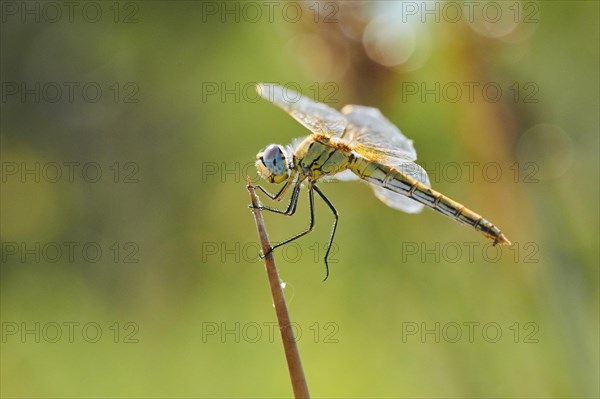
[{"x": 285, "y": 325}]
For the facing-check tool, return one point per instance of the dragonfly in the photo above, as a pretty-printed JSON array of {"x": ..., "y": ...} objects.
[{"x": 356, "y": 143}]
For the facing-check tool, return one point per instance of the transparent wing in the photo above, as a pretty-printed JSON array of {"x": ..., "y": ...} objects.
[
  {"x": 345, "y": 175},
  {"x": 391, "y": 198},
  {"x": 399, "y": 201},
  {"x": 374, "y": 134},
  {"x": 317, "y": 117}
]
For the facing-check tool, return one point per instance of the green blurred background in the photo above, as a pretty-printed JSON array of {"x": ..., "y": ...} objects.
[{"x": 177, "y": 303}]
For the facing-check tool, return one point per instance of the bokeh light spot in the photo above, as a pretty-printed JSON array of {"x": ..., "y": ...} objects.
[
  {"x": 388, "y": 41},
  {"x": 549, "y": 148}
]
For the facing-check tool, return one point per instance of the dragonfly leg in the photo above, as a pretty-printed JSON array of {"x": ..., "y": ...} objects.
[
  {"x": 311, "y": 201},
  {"x": 291, "y": 208},
  {"x": 335, "y": 214},
  {"x": 279, "y": 195}
]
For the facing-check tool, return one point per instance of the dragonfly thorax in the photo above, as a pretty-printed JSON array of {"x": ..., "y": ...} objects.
[{"x": 272, "y": 164}]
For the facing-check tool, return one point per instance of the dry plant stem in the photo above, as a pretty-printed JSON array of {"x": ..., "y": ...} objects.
[{"x": 285, "y": 326}]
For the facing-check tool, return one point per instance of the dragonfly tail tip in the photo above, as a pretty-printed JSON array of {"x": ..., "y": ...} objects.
[{"x": 502, "y": 240}]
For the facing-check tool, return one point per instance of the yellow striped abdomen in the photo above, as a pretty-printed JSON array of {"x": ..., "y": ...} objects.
[{"x": 398, "y": 182}]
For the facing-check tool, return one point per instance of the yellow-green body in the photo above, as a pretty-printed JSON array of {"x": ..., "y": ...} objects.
[{"x": 318, "y": 156}]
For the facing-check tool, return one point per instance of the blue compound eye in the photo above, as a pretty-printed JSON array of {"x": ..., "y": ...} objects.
[{"x": 274, "y": 159}]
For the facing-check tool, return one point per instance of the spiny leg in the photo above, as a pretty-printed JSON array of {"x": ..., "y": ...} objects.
[
  {"x": 335, "y": 214},
  {"x": 291, "y": 208},
  {"x": 311, "y": 201},
  {"x": 279, "y": 195}
]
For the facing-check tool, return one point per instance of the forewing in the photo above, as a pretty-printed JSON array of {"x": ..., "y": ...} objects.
[
  {"x": 373, "y": 136},
  {"x": 317, "y": 117},
  {"x": 374, "y": 133}
]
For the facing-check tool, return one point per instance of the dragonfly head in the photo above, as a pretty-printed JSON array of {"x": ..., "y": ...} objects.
[{"x": 272, "y": 164}]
